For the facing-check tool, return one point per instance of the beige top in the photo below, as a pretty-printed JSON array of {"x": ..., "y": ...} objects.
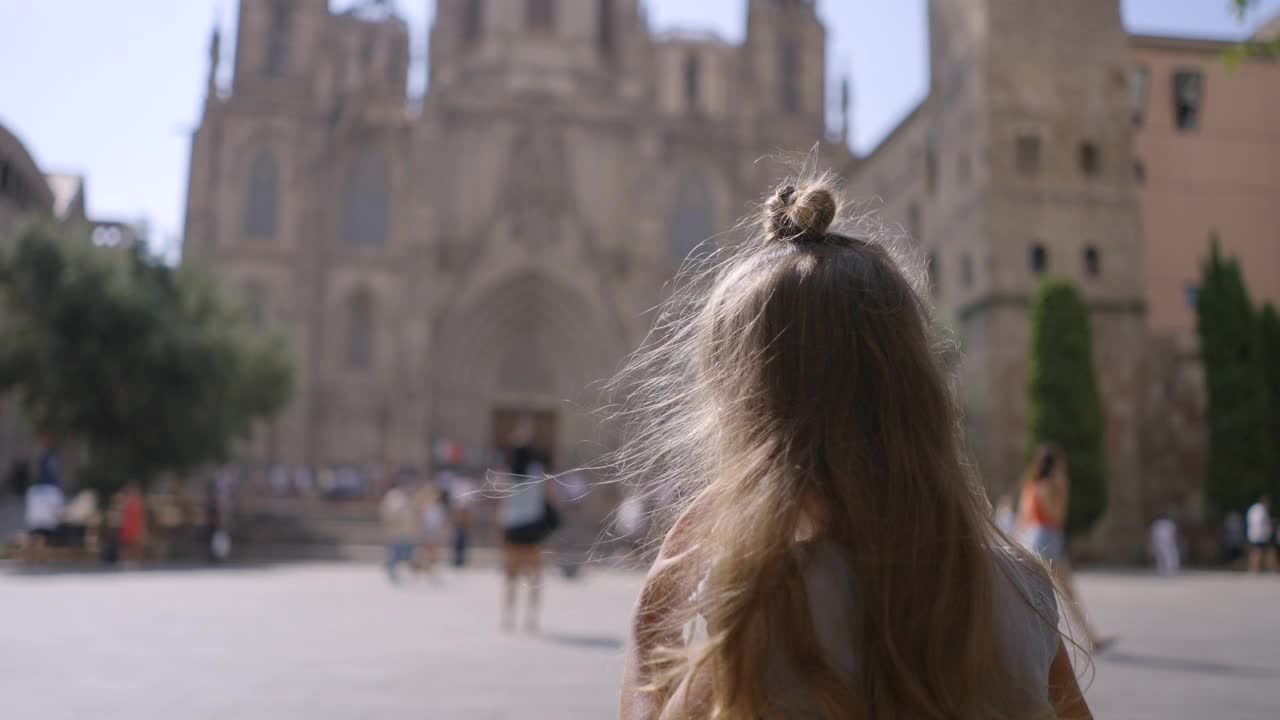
[
  {"x": 399, "y": 517},
  {"x": 1026, "y": 620}
]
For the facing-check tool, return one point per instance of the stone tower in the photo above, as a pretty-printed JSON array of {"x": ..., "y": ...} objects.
[
  {"x": 786, "y": 44},
  {"x": 1028, "y": 171}
]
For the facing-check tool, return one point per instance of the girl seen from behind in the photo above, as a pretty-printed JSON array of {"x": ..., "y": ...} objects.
[{"x": 830, "y": 555}]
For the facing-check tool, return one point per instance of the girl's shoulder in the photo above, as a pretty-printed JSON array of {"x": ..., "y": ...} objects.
[
  {"x": 1025, "y": 573},
  {"x": 1025, "y": 607}
]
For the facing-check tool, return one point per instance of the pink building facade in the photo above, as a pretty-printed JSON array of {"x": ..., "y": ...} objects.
[{"x": 1207, "y": 162}]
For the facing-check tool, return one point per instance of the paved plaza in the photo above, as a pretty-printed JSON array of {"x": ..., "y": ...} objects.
[{"x": 337, "y": 641}]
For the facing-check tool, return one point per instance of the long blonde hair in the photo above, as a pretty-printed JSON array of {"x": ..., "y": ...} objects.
[{"x": 793, "y": 381}]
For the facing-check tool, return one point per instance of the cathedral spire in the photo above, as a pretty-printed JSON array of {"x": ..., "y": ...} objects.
[
  {"x": 215, "y": 57},
  {"x": 846, "y": 107}
]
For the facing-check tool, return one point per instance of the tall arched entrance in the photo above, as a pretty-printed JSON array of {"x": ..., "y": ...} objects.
[{"x": 528, "y": 348}]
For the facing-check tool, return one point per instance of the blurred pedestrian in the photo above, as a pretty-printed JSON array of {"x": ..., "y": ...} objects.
[
  {"x": 1259, "y": 529},
  {"x": 303, "y": 482},
  {"x": 1042, "y": 517},
  {"x": 279, "y": 478},
  {"x": 45, "y": 501},
  {"x": 216, "y": 510},
  {"x": 133, "y": 533},
  {"x": 461, "y": 511},
  {"x": 402, "y": 527},
  {"x": 1164, "y": 545},
  {"x": 1233, "y": 538},
  {"x": 429, "y": 501},
  {"x": 1005, "y": 514},
  {"x": 630, "y": 522},
  {"x": 832, "y": 556},
  {"x": 527, "y": 515},
  {"x": 80, "y": 514}
]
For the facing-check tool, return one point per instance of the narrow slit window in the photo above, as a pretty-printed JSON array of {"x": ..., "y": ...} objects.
[{"x": 1027, "y": 154}]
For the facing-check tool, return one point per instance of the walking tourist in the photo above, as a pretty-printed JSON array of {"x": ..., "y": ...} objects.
[
  {"x": 1164, "y": 545},
  {"x": 1233, "y": 538},
  {"x": 461, "y": 509},
  {"x": 80, "y": 515},
  {"x": 215, "y": 511},
  {"x": 45, "y": 502},
  {"x": 527, "y": 515},
  {"x": 831, "y": 556},
  {"x": 1262, "y": 546},
  {"x": 133, "y": 523},
  {"x": 629, "y": 522},
  {"x": 1006, "y": 514},
  {"x": 401, "y": 525},
  {"x": 1041, "y": 528},
  {"x": 429, "y": 501}
]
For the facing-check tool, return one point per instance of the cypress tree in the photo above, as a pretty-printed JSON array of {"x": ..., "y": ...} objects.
[
  {"x": 1238, "y": 467},
  {"x": 1065, "y": 406},
  {"x": 1270, "y": 332}
]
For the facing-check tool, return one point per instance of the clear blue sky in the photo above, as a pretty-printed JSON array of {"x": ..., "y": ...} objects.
[{"x": 112, "y": 89}]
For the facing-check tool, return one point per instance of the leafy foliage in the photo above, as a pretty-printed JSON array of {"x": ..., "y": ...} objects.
[
  {"x": 1265, "y": 49},
  {"x": 1239, "y": 463},
  {"x": 1269, "y": 326},
  {"x": 146, "y": 365},
  {"x": 1066, "y": 407}
]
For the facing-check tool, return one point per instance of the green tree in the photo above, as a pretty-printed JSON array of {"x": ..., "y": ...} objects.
[
  {"x": 1269, "y": 323},
  {"x": 1267, "y": 48},
  {"x": 146, "y": 365},
  {"x": 1230, "y": 346},
  {"x": 1066, "y": 407}
]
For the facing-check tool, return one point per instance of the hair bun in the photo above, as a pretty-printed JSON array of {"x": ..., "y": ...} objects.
[{"x": 801, "y": 214}]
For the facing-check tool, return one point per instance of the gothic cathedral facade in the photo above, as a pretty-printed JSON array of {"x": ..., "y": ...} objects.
[
  {"x": 440, "y": 266},
  {"x": 491, "y": 249}
]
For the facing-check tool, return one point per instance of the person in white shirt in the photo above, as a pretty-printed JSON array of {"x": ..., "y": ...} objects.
[
  {"x": 1164, "y": 545},
  {"x": 1258, "y": 531},
  {"x": 44, "y": 506},
  {"x": 630, "y": 522},
  {"x": 402, "y": 527},
  {"x": 45, "y": 503}
]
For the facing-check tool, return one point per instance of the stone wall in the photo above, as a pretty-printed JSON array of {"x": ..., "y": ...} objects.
[{"x": 1174, "y": 436}]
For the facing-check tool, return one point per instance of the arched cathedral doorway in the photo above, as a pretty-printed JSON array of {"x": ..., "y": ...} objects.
[{"x": 531, "y": 349}]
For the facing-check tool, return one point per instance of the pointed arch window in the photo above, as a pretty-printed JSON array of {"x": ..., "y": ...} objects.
[
  {"x": 473, "y": 20},
  {"x": 692, "y": 82},
  {"x": 262, "y": 204},
  {"x": 789, "y": 72},
  {"x": 693, "y": 225},
  {"x": 540, "y": 15},
  {"x": 1092, "y": 261},
  {"x": 360, "y": 331},
  {"x": 605, "y": 27},
  {"x": 278, "y": 25},
  {"x": 367, "y": 202},
  {"x": 1039, "y": 259}
]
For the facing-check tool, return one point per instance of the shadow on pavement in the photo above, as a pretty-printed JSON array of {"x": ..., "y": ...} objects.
[
  {"x": 1183, "y": 665},
  {"x": 586, "y": 642}
]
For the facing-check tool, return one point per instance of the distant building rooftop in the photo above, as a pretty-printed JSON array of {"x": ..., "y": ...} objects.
[
  {"x": 682, "y": 35},
  {"x": 1270, "y": 30}
]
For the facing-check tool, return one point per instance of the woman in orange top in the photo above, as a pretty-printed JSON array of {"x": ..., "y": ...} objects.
[
  {"x": 1042, "y": 519},
  {"x": 133, "y": 522}
]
